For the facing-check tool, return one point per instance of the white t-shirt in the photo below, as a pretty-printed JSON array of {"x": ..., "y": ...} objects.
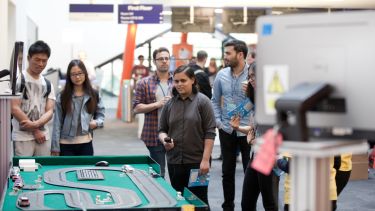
[{"x": 34, "y": 107}]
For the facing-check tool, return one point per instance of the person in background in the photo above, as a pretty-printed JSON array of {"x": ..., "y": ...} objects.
[
  {"x": 151, "y": 94},
  {"x": 193, "y": 60},
  {"x": 34, "y": 109},
  {"x": 228, "y": 85},
  {"x": 343, "y": 167},
  {"x": 79, "y": 110},
  {"x": 222, "y": 65},
  {"x": 252, "y": 53},
  {"x": 256, "y": 183},
  {"x": 203, "y": 82},
  {"x": 140, "y": 71},
  {"x": 188, "y": 120},
  {"x": 212, "y": 71}
]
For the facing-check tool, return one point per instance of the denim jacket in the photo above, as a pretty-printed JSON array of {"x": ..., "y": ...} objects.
[{"x": 67, "y": 128}]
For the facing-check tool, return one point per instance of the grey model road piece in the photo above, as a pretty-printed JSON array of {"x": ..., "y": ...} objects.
[
  {"x": 155, "y": 194},
  {"x": 122, "y": 198},
  {"x": 73, "y": 198}
]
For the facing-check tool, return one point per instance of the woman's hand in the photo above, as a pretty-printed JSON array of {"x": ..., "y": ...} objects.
[
  {"x": 251, "y": 136},
  {"x": 204, "y": 167},
  {"x": 39, "y": 136},
  {"x": 93, "y": 124},
  {"x": 244, "y": 86},
  {"x": 235, "y": 122},
  {"x": 168, "y": 145}
]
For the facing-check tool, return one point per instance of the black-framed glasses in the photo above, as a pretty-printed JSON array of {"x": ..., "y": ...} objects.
[
  {"x": 251, "y": 77},
  {"x": 161, "y": 59},
  {"x": 74, "y": 75}
]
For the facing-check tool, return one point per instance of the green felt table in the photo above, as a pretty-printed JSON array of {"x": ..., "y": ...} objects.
[{"x": 112, "y": 179}]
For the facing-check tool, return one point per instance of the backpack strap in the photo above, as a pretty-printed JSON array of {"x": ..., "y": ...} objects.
[
  {"x": 198, "y": 71},
  {"x": 23, "y": 87},
  {"x": 48, "y": 83}
]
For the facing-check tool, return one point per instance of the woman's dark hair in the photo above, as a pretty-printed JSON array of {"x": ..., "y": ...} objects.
[
  {"x": 66, "y": 94},
  {"x": 250, "y": 92},
  {"x": 189, "y": 73}
]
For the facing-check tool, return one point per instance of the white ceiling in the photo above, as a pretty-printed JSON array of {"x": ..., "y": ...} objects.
[{"x": 360, "y": 4}]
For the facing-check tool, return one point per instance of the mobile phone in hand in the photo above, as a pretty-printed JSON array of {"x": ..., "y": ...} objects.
[{"x": 168, "y": 140}]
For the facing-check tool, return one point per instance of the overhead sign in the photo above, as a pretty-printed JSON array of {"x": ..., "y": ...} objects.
[
  {"x": 91, "y": 12},
  {"x": 140, "y": 13}
]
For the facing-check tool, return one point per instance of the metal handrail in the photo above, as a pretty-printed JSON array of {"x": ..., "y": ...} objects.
[{"x": 119, "y": 56}]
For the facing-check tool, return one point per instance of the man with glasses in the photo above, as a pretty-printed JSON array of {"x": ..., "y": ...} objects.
[
  {"x": 34, "y": 109},
  {"x": 151, "y": 94}
]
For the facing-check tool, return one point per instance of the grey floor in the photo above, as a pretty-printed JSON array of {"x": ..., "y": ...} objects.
[{"x": 119, "y": 138}]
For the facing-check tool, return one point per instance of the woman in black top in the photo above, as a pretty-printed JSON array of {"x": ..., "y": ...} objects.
[{"x": 188, "y": 120}]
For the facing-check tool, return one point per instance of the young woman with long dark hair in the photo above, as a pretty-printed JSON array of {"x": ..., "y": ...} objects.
[
  {"x": 256, "y": 183},
  {"x": 79, "y": 110}
]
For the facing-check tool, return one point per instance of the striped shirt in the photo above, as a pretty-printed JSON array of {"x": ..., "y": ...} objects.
[{"x": 145, "y": 93}]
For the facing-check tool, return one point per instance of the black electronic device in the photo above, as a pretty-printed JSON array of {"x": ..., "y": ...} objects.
[
  {"x": 15, "y": 65},
  {"x": 293, "y": 106},
  {"x": 168, "y": 140},
  {"x": 4, "y": 73},
  {"x": 102, "y": 163}
]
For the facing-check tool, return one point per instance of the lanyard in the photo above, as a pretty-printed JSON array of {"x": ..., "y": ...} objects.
[{"x": 162, "y": 89}]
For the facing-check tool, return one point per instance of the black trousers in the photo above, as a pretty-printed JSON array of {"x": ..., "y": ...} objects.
[
  {"x": 256, "y": 183},
  {"x": 76, "y": 149},
  {"x": 179, "y": 176},
  {"x": 229, "y": 143}
]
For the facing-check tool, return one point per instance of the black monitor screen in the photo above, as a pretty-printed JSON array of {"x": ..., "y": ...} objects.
[{"x": 15, "y": 65}]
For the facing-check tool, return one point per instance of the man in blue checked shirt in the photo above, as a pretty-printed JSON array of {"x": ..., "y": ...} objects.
[{"x": 227, "y": 86}]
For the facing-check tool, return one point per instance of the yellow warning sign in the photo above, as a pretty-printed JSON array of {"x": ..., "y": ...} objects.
[
  {"x": 275, "y": 86},
  {"x": 275, "y": 83}
]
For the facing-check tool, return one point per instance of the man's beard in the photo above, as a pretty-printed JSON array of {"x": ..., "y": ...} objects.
[
  {"x": 232, "y": 64},
  {"x": 163, "y": 70}
]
